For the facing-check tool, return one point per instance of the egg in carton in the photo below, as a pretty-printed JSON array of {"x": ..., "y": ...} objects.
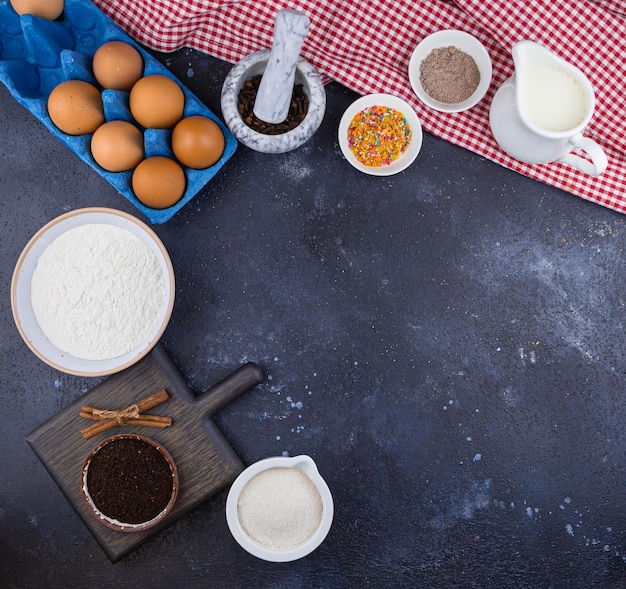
[{"x": 36, "y": 55}]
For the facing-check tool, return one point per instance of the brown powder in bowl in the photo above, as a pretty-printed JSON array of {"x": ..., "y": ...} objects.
[
  {"x": 130, "y": 481},
  {"x": 449, "y": 75}
]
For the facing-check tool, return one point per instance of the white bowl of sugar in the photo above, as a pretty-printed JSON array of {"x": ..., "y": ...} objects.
[{"x": 280, "y": 509}]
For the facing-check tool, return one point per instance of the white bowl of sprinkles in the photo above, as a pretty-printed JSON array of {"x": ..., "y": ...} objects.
[
  {"x": 380, "y": 134},
  {"x": 109, "y": 291},
  {"x": 280, "y": 509}
]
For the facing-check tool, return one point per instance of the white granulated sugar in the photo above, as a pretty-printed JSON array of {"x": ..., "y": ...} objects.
[
  {"x": 280, "y": 508},
  {"x": 97, "y": 291}
]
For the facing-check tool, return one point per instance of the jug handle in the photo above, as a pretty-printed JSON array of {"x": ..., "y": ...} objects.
[{"x": 598, "y": 162}]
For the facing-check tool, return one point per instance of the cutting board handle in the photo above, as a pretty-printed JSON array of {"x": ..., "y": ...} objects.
[{"x": 236, "y": 383}]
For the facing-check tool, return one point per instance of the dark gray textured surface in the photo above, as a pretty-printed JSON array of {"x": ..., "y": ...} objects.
[{"x": 447, "y": 344}]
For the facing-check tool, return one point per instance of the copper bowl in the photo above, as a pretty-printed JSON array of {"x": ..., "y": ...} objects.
[{"x": 107, "y": 519}]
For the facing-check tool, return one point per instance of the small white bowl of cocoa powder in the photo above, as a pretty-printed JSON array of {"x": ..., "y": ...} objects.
[{"x": 450, "y": 71}]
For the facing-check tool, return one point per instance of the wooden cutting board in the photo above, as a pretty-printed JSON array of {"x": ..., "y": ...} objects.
[{"x": 205, "y": 460}]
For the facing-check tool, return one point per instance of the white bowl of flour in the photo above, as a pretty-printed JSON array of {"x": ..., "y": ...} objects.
[
  {"x": 93, "y": 291},
  {"x": 280, "y": 509}
]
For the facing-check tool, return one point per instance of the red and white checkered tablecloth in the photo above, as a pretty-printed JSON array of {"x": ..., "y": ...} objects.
[{"x": 366, "y": 45}]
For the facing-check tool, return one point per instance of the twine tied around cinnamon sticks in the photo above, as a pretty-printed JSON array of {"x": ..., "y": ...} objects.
[
  {"x": 119, "y": 416},
  {"x": 131, "y": 415}
]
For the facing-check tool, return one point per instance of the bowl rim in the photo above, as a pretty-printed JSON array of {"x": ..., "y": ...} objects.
[
  {"x": 465, "y": 42},
  {"x": 392, "y": 101},
  {"x": 21, "y": 307},
  {"x": 303, "y": 463},
  {"x": 110, "y": 522}
]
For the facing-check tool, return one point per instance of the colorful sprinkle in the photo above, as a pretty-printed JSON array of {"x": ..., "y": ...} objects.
[{"x": 378, "y": 136}]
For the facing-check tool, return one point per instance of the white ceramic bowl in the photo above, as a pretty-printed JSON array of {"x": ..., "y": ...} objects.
[
  {"x": 371, "y": 100},
  {"x": 464, "y": 42},
  {"x": 308, "y": 467},
  {"x": 23, "y": 313}
]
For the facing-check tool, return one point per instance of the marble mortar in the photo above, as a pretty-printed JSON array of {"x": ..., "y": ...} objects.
[{"x": 253, "y": 65}]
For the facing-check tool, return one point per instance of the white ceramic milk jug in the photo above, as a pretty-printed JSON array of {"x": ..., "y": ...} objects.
[{"x": 539, "y": 114}]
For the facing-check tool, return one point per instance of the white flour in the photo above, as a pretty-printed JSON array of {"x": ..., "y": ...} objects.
[
  {"x": 280, "y": 508},
  {"x": 97, "y": 291}
]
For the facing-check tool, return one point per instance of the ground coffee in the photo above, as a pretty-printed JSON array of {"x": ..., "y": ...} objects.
[
  {"x": 449, "y": 75},
  {"x": 298, "y": 109},
  {"x": 130, "y": 481}
]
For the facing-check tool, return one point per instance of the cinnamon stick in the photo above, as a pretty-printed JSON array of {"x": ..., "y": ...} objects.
[
  {"x": 150, "y": 421},
  {"x": 132, "y": 415},
  {"x": 98, "y": 428},
  {"x": 135, "y": 419},
  {"x": 144, "y": 404}
]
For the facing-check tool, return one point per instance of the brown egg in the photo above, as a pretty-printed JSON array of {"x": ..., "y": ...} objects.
[
  {"x": 76, "y": 107},
  {"x": 117, "y": 65},
  {"x": 117, "y": 146},
  {"x": 158, "y": 182},
  {"x": 48, "y": 9},
  {"x": 198, "y": 142},
  {"x": 157, "y": 102}
]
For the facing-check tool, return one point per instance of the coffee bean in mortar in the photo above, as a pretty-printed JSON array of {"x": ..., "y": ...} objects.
[{"x": 298, "y": 109}]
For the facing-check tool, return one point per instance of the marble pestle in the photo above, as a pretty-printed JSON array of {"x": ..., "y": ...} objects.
[{"x": 274, "y": 93}]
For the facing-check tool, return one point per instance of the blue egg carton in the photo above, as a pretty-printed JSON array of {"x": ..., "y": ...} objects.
[{"x": 36, "y": 55}]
